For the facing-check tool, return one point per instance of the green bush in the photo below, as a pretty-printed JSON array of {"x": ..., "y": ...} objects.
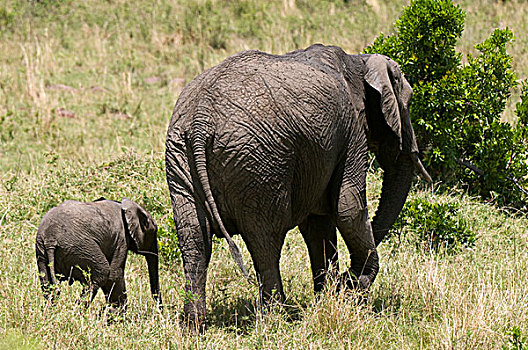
[
  {"x": 425, "y": 39},
  {"x": 522, "y": 110},
  {"x": 457, "y": 107},
  {"x": 436, "y": 224},
  {"x": 168, "y": 242}
]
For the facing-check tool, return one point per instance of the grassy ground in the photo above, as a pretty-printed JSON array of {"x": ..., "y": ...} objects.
[{"x": 86, "y": 91}]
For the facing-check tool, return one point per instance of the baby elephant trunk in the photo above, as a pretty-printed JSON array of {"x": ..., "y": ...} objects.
[{"x": 152, "y": 263}]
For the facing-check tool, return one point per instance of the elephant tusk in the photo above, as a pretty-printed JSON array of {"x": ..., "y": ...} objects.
[{"x": 418, "y": 164}]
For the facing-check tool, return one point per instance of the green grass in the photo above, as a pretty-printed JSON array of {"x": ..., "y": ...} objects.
[{"x": 86, "y": 93}]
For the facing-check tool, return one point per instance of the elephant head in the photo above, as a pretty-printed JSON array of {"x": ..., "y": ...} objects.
[
  {"x": 390, "y": 137},
  {"x": 141, "y": 231}
]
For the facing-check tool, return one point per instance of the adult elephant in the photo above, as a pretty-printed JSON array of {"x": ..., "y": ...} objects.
[{"x": 262, "y": 143}]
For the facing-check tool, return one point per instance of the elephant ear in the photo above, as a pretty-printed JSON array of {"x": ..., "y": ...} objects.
[
  {"x": 136, "y": 220},
  {"x": 384, "y": 76}
]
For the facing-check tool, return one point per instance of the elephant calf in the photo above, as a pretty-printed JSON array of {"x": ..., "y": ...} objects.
[{"x": 88, "y": 242}]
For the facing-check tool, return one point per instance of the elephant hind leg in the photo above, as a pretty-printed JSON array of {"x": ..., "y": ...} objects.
[
  {"x": 46, "y": 282},
  {"x": 354, "y": 225},
  {"x": 195, "y": 243},
  {"x": 265, "y": 249},
  {"x": 319, "y": 233},
  {"x": 46, "y": 266}
]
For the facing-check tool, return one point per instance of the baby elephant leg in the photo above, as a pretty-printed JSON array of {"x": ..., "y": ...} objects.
[
  {"x": 50, "y": 288},
  {"x": 88, "y": 294},
  {"x": 92, "y": 272},
  {"x": 116, "y": 297}
]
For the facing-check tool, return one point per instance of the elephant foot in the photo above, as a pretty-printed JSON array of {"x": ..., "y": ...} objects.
[
  {"x": 275, "y": 297},
  {"x": 275, "y": 302},
  {"x": 115, "y": 313},
  {"x": 195, "y": 324},
  {"x": 51, "y": 293},
  {"x": 360, "y": 285},
  {"x": 194, "y": 318},
  {"x": 117, "y": 309}
]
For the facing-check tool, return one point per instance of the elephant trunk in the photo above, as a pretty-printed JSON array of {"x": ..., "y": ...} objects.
[
  {"x": 397, "y": 181},
  {"x": 152, "y": 263}
]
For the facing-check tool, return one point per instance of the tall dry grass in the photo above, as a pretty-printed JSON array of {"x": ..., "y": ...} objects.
[{"x": 86, "y": 91}]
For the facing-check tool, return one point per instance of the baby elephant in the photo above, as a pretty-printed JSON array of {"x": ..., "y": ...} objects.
[{"x": 88, "y": 242}]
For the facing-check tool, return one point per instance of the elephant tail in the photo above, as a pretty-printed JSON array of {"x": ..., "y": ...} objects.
[{"x": 198, "y": 143}]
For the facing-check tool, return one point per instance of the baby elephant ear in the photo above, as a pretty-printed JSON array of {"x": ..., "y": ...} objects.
[{"x": 136, "y": 220}]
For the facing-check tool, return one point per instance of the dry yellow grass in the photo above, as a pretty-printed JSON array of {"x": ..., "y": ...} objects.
[{"x": 86, "y": 91}]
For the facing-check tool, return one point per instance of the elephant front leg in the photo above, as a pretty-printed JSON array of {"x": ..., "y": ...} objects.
[
  {"x": 116, "y": 295},
  {"x": 114, "y": 288},
  {"x": 354, "y": 225},
  {"x": 319, "y": 233},
  {"x": 88, "y": 294}
]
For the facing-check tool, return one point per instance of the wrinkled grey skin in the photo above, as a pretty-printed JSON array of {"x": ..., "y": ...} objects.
[
  {"x": 261, "y": 143},
  {"x": 76, "y": 240}
]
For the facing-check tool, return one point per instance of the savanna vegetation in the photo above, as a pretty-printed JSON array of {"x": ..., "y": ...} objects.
[{"x": 86, "y": 93}]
